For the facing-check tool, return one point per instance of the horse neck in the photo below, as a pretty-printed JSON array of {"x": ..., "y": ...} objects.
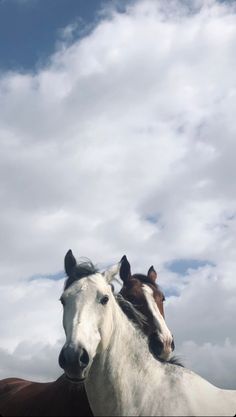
[
  {"x": 126, "y": 380},
  {"x": 126, "y": 340},
  {"x": 116, "y": 373}
]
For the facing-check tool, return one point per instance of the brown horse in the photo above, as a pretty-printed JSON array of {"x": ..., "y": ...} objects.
[
  {"x": 61, "y": 397},
  {"x": 161, "y": 342}
]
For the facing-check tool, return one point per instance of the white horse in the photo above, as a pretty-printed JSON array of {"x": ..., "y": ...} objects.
[{"x": 108, "y": 353}]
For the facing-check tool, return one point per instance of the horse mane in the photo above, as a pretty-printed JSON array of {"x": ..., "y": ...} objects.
[
  {"x": 82, "y": 269},
  {"x": 173, "y": 361},
  {"x": 139, "y": 320}
]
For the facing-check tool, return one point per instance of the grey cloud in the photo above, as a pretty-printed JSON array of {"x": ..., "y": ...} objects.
[
  {"x": 39, "y": 366},
  {"x": 214, "y": 362}
]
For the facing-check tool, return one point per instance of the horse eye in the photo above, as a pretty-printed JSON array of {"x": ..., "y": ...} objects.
[
  {"x": 104, "y": 300},
  {"x": 164, "y": 298},
  {"x": 62, "y": 301}
]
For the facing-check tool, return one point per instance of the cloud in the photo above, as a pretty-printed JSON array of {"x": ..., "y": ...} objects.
[
  {"x": 202, "y": 315},
  {"x": 214, "y": 362},
  {"x": 37, "y": 363},
  {"x": 134, "y": 122},
  {"x": 31, "y": 329},
  {"x": 32, "y": 313}
]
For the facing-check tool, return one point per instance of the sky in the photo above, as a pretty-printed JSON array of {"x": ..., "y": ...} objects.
[{"x": 117, "y": 136}]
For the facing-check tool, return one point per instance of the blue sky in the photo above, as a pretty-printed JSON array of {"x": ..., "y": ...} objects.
[
  {"x": 121, "y": 142},
  {"x": 182, "y": 266},
  {"x": 30, "y": 29}
]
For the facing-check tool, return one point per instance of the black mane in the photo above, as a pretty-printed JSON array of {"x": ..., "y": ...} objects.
[
  {"x": 173, "y": 361},
  {"x": 148, "y": 281},
  {"x": 131, "y": 312},
  {"x": 140, "y": 322},
  {"x": 83, "y": 269}
]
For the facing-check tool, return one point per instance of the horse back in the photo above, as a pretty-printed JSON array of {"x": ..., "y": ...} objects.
[
  {"x": 59, "y": 398},
  {"x": 11, "y": 385}
]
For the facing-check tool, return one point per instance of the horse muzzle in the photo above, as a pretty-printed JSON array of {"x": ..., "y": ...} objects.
[
  {"x": 75, "y": 362},
  {"x": 160, "y": 348}
]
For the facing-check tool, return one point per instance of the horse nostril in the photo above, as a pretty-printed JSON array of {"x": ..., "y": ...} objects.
[
  {"x": 62, "y": 359},
  {"x": 84, "y": 359},
  {"x": 173, "y": 345}
]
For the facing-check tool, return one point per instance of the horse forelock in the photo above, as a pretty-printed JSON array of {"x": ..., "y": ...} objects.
[
  {"x": 146, "y": 280},
  {"x": 84, "y": 268}
]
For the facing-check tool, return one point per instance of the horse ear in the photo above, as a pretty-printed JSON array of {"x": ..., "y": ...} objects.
[
  {"x": 125, "y": 270},
  {"x": 111, "y": 273},
  {"x": 70, "y": 262},
  {"x": 152, "y": 275}
]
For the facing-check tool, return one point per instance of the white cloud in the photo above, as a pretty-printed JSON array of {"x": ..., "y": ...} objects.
[
  {"x": 135, "y": 121},
  {"x": 214, "y": 362},
  {"x": 31, "y": 329},
  {"x": 31, "y": 312}
]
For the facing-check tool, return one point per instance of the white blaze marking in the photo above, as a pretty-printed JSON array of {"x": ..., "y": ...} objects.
[{"x": 164, "y": 333}]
